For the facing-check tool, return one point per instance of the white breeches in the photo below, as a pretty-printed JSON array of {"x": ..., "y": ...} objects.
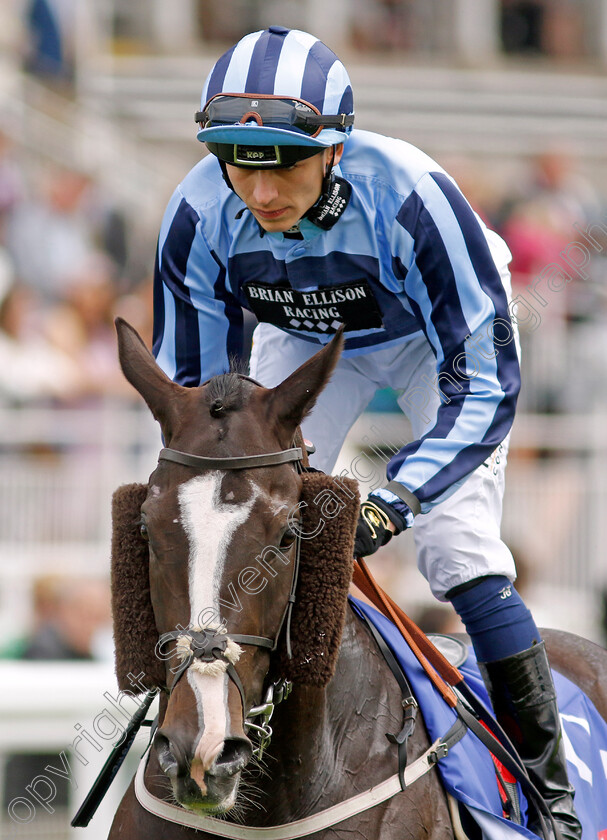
[{"x": 459, "y": 539}]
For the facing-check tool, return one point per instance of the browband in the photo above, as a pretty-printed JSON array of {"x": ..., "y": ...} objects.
[{"x": 268, "y": 459}]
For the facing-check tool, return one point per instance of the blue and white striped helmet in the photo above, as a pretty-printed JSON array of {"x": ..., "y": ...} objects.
[{"x": 277, "y": 65}]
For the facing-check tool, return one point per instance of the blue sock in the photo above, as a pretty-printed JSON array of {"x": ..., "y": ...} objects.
[{"x": 496, "y": 619}]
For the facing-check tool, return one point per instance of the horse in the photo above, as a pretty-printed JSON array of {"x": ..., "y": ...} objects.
[{"x": 220, "y": 526}]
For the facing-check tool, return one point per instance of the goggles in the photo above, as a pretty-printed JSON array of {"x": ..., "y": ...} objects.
[{"x": 269, "y": 110}]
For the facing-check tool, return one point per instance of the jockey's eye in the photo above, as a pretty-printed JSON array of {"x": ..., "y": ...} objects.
[{"x": 288, "y": 538}]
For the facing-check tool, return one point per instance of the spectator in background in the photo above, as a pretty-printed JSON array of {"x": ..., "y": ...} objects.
[
  {"x": 539, "y": 220},
  {"x": 71, "y": 621},
  {"x": 47, "y": 53},
  {"x": 82, "y": 326},
  {"x": 538, "y": 217},
  {"x": 12, "y": 183},
  {"x": 51, "y": 234},
  {"x": 31, "y": 368},
  {"x": 65, "y": 353}
]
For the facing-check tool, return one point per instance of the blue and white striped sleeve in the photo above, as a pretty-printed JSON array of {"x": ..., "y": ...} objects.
[
  {"x": 455, "y": 290},
  {"x": 198, "y": 323}
]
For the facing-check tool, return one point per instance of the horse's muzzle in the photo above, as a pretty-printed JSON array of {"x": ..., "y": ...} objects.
[{"x": 211, "y": 789}]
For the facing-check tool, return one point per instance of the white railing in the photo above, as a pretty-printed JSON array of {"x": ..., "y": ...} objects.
[
  {"x": 59, "y": 468},
  {"x": 74, "y": 708}
]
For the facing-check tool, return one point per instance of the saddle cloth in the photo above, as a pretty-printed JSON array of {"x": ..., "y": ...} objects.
[{"x": 468, "y": 773}]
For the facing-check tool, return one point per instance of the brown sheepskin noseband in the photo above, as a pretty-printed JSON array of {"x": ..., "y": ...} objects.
[{"x": 329, "y": 509}]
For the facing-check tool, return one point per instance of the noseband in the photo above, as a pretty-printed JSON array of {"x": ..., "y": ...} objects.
[{"x": 214, "y": 645}]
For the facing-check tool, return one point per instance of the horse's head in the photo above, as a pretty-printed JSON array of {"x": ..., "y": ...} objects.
[{"x": 221, "y": 557}]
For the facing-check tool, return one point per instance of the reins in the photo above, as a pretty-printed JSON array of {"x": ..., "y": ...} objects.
[
  {"x": 446, "y": 677},
  {"x": 439, "y": 670}
]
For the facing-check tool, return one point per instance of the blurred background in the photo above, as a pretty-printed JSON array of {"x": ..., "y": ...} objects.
[{"x": 96, "y": 128}]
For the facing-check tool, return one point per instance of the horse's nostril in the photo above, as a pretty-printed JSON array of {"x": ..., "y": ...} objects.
[
  {"x": 235, "y": 756},
  {"x": 170, "y": 755}
]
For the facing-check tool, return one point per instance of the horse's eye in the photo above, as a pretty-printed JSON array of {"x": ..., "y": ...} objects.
[
  {"x": 288, "y": 538},
  {"x": 143, "y": 530}
]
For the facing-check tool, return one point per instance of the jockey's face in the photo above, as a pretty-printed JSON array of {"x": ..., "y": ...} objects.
[{"x": 278, "y": 198}]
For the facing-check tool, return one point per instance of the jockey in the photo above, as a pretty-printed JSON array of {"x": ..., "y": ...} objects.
[{"x": 307, "y": 224}]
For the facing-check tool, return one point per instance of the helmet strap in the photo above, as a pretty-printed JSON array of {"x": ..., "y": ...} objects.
[
  {"x": 224, "y": 172},
  {"x": 333, "y": 198},
  {"x": 326, "y": 183}
]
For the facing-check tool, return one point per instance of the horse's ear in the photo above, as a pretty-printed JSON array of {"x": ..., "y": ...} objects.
[
  {"x": 142, "y": 371},
  {"x": 294, "y": 398}
]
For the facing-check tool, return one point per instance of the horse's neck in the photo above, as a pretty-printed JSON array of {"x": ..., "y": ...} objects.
[{"x": 331, "y": 743}]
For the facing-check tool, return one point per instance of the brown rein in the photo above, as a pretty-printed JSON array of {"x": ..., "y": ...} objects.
[{"x": 440, "y": 671}]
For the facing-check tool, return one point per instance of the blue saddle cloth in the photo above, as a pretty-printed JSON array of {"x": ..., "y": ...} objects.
[{"x": 468, "y": 773}]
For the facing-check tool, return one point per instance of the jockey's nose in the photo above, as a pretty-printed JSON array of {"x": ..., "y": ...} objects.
[{"x": 265, "y": 189}]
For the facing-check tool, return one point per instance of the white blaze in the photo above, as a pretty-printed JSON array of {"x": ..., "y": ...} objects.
[{"x": 210, "y": 525}]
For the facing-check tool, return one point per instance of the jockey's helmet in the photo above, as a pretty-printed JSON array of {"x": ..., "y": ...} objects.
[{"x": 276, "y": 97}]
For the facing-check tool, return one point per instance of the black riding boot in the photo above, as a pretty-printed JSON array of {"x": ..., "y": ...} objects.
[{"x": 524, "y": 700}]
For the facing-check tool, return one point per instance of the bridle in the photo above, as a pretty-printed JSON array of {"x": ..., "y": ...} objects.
[
  {"x": 214, "y": 645},
  {"x": 209, "y": 645},
  {"x": 239, "y": 462}
]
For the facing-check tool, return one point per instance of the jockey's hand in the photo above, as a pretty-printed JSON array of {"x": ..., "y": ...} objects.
[{"x": 377, "y": 522}]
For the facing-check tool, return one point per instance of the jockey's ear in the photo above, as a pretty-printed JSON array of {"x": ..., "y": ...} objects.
[
  {"x": 295, "y": 397},
  {"x": 142, "y": 371}
]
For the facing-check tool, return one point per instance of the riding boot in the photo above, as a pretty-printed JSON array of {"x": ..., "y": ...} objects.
[{"x": 524, "y": 700}]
